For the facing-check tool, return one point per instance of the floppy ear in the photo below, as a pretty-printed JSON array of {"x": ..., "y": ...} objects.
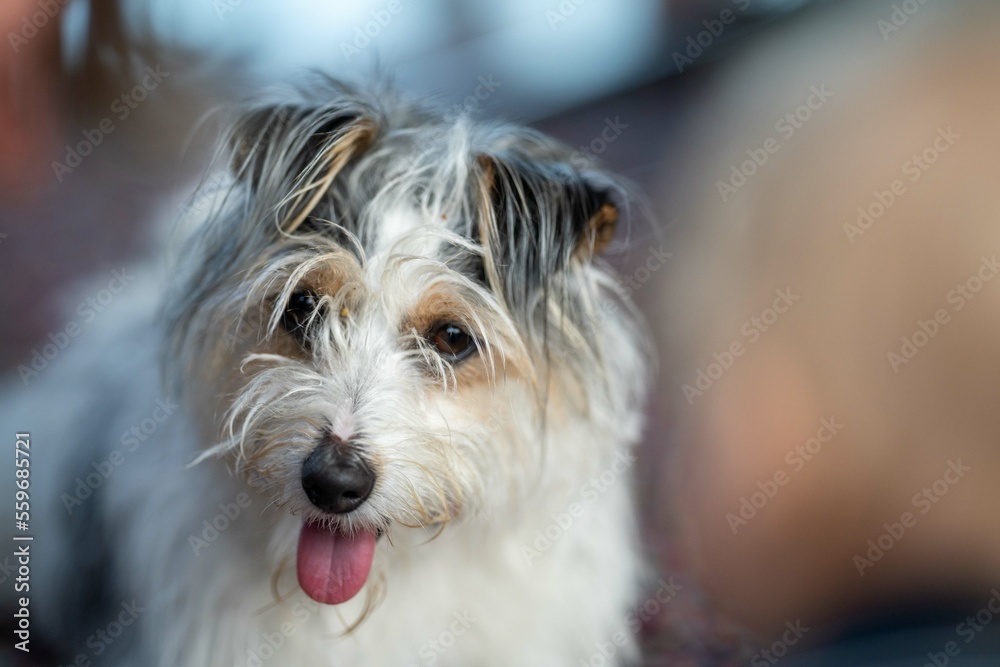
[
  {"x": 537, "y": 218},
  {"x": 282, "y": 149}
]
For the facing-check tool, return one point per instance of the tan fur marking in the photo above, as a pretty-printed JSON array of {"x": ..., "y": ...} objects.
[
  {"x": 599, "y": 233},
  {"x": 356, "y": 139},
  {"x": 487, "y": 222}
]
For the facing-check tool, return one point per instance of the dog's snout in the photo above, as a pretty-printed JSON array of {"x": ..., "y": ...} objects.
[{"x": 335, "y": 478}]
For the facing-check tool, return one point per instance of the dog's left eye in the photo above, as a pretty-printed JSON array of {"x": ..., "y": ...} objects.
[
  {"x": 301, "y": 306},
  {"x": 452, "y": 342}
]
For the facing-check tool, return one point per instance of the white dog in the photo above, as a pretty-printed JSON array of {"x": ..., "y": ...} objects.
[{"x": 382, "y": 416}]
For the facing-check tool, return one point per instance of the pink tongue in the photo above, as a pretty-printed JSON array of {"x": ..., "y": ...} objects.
[{"x": 332, "y": 565}]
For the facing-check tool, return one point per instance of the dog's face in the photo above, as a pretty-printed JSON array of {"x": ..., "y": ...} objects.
[{"x": 395, "y": 314}]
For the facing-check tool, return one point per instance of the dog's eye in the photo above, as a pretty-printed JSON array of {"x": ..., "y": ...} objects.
[
  {"x": 452, "y": 342},
  {"x": 301, "y": 306}
]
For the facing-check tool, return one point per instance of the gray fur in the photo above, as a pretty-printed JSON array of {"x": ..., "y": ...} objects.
[{"x": 410, "y": 213}]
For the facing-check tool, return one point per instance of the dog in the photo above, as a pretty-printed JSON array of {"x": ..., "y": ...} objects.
[{"x": 378, "y": 410}]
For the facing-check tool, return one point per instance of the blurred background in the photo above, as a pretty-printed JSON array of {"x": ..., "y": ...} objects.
[
  {"x": 569, "y": 67},
  {"x": 821, "y": 176}
]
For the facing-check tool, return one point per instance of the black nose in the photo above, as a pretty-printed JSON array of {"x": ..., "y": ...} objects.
[{"x": 335, "y": 478}]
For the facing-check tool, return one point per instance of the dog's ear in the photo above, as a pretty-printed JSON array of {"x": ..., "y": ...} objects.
[
  {"x": 282, "y": 149},
  {"x": 538, "y": 217}
]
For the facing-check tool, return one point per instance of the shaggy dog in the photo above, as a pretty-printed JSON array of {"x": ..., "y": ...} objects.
[{"x": 378, "y": 411}]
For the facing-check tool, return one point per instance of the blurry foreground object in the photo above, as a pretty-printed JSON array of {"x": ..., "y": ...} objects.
[{"x": 832, "y": 362}]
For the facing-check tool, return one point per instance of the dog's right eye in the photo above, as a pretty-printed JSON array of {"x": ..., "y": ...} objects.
[
  {"x": 452, "y": 342},
  {"x": 299, "y": 312}
]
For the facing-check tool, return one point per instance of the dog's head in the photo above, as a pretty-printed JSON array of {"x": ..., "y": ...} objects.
[{"x": 402, "y": 320}]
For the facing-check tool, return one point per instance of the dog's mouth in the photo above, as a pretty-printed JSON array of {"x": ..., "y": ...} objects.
[{"x": 334, "y": 564}]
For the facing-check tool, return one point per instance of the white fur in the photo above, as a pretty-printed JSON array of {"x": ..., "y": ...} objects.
[{"x": 474, "y": 580}]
